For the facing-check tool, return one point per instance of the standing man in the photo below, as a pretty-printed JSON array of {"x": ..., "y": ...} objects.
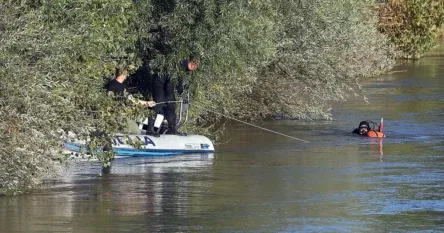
[{"x": 163, "y": 93}]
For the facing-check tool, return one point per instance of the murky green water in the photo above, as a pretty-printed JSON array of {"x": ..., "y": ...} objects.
[{"x": 260, "y": 182}]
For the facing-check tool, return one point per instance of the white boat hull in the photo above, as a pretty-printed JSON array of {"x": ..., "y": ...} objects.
[{"x": 152, "y": 146}]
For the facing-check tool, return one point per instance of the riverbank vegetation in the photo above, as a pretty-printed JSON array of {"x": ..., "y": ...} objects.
[
  {"x": 258, "y": 59},
  {"x": 54, "y": 60},
  {"x": 412, "y": 25}
]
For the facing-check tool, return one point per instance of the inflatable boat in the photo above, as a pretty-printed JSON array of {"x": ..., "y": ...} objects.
[
  {"x": 123, "y": 145},
  {"x": 147, "y": 145}
]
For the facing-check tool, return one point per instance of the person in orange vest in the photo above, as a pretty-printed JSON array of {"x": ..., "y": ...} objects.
[{"x": 365, "y": 130}]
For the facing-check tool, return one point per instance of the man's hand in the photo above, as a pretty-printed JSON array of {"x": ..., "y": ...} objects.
[
  {"x": 151, "y": 104},
  {"x": 148, "y": 103}
]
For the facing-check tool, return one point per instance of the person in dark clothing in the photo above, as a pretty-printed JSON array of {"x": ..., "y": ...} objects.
[
  {"x": 163, "y": 93},
  {"x": 118, "y": 87},
  {"x": 363, "y": 128}
]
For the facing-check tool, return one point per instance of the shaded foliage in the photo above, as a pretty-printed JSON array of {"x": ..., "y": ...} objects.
[
  {"x": 304, "y": 54},
  {"x": 230, "y": 38},
  {"x": 327, "y": 47},
  {"x": 412, "y": 25}
]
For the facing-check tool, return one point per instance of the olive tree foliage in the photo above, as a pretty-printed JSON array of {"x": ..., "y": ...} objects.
[{"x": 54, "y": 56}]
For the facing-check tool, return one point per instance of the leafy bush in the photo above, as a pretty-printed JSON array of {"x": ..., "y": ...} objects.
[
  {"x": 53, "y": 59},
  {"x": 323, "y": 49},
  {"x": 327, "y": 47},
  {"x": 412, "y": 25},
  {"x": 230, "y": 38},
  {"x": 258, "y": 59},
  {"x": 270, "y": 58}
]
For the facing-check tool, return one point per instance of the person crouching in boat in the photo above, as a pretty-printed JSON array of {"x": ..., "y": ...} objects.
[
  {"x": 118, "y": 88},
  {"x": 365, "y": 130}
]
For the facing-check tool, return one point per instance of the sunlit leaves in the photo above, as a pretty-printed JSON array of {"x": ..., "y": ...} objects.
[
  {"x": 258, "y": 59},
  {"x": 55, "y": 59},
  {"x": 412, "y": 25}
]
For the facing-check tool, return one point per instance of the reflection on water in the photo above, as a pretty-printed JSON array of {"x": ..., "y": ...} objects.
[
  {"x": 261, "y": 182},
  {"x": 85, "y": 201}
]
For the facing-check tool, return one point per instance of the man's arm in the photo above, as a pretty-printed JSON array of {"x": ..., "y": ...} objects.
[{"x": 142, "y": 102}]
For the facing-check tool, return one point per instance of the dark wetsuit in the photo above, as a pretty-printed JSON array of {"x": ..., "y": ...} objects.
[{"x": 362, "y": 124}]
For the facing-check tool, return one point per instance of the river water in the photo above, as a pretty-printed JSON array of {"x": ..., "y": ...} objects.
[{"x": 262, "y": 182}]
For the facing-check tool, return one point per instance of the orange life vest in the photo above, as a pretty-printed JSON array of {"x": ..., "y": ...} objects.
[{"x": 375, "y": 134}]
